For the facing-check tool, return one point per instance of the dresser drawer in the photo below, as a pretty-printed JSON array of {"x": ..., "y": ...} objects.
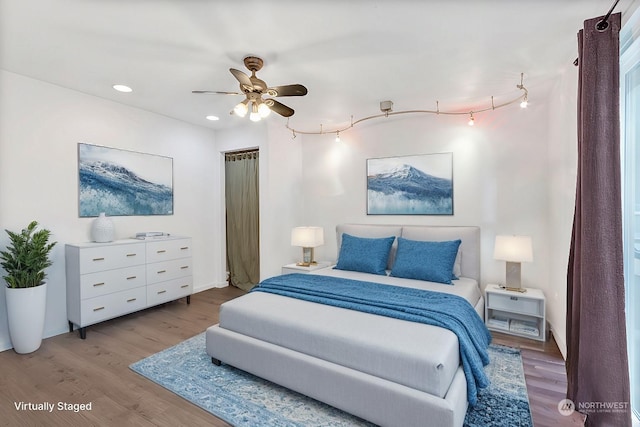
[
  {"x": 169, "y": 290},
  {"x": 110, "y": 281},
  {"x": 103, "y": 258},
  {"x": 515, "y": 304},
  {"x": 163, "y": 250},
  {"x": 112, "y": 305},
  {"x": 168, "y": 270}
]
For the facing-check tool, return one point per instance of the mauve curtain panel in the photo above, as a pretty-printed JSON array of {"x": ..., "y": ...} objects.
[{"x": 597, "y": 366}]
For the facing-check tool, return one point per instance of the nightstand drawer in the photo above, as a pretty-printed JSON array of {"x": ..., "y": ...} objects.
[{"x": 515, "y": 304}]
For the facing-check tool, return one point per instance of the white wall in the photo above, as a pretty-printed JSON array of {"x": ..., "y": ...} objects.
[
  {"x": 563, "y": 154},
  {"x": 503, "y": 182},
  {"x": 514, "y": 172},
  {"x": 40, "y": 127}
]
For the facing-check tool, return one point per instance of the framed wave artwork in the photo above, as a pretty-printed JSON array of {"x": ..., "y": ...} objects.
[
  {"x": 121, "y": 182},
  {"x": 410, "y": 185}
]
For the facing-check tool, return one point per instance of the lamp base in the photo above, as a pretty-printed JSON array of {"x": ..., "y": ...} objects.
[
  {"x": 307, "y": 258},
  {"x": 306, "y": 264},
  {"x": 513, "y": 282},
  {"x": 508, "y": 288}
]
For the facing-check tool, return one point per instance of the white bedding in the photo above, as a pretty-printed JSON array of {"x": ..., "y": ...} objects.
[{"x": 416, "y": 355}]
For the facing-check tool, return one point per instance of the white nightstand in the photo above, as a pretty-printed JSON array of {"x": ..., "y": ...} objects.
[
  {"x": 515, "y": 313},
  {"x": 293, "y": 268}
]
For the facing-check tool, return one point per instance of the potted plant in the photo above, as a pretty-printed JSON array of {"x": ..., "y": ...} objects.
[{"x": 24, "y": 261}]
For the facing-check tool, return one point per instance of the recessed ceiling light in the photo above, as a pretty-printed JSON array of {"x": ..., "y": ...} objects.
[
  {"x": 213, "y": 118},
  {"x": 122, "y": 88}
]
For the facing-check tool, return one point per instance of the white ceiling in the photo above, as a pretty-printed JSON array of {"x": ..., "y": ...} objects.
[{"x": 349, "y": 54}]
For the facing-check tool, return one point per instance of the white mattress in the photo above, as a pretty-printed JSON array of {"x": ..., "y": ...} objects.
[{"x": 419, "y": 356}]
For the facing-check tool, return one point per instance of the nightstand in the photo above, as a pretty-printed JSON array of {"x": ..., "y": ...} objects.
[
  {"x": 515, "y": 313},
  {"x": 293, "y": 268}
]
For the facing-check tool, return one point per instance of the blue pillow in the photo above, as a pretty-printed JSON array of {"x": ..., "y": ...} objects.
[
  {"x": 364, "y": 254},
  {"x": 430, "y": 261}
]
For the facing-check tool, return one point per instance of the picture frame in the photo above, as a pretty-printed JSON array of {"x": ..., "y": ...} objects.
[
  {"x": 410, "y": 185},
  {"x": 123, "y": 183}
]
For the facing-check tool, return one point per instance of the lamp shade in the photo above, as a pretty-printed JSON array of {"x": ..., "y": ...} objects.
[
  {"x": 513, "y": 249},
  {"x": 307, "y": 237}
]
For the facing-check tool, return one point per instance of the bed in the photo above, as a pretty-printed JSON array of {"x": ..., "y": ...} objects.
[{"x": 387, "y": 370}]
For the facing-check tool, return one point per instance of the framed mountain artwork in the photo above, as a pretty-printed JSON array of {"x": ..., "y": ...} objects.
[
  {"x": 410, "y": 185},
  {"x": 121, "y": 182}
]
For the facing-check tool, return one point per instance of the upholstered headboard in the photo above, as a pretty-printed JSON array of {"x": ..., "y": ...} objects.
[{"x": 469, "y": 248}]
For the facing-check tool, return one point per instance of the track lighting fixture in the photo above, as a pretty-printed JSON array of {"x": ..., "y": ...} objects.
[{"x": 385, "y": 107}]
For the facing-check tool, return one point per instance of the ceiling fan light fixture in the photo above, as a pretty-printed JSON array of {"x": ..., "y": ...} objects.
[
  {"x": 263, "y": 110},
  {"x": 254, "y": 116},
  {"x": 241, "y": 109}
]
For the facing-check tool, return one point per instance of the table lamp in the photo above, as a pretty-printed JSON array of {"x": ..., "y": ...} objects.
[
  {"x": 308, "y": 238},
  {"x": 514, "y": 250}
]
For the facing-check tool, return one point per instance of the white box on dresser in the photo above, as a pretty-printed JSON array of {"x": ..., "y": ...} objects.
[{"x": 107, "y": 280}]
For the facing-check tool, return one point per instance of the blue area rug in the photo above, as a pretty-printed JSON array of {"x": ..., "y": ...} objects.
[{"x": 244, "y": 400}]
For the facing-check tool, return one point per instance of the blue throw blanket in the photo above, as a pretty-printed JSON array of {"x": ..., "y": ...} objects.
[{"x": 432, "y": 308}]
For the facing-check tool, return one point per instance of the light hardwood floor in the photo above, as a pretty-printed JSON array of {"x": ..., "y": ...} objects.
[{"x": 68, "y": 369}]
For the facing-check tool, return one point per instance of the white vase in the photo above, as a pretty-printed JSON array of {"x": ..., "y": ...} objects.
[
  {"x": 26, "y": 309},
  {"x": 102, "y": 229}
]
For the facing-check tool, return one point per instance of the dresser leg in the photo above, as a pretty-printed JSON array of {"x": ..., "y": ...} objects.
[
  {"x": 83, "y": 333},
  {"x": 188, "y": 299},
  {"x": 216, "y": 361},
  {"x": 70, "y": 326}
]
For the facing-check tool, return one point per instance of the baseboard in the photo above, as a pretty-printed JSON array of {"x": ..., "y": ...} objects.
[
  {"x": 5, "y": 345},
  {"x": 208, "y": 286},
  {"x": 562, "y": 345}
]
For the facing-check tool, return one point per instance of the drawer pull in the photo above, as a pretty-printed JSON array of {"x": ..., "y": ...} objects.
[
  {"x": 129, "y": 255},
  {"x": 514, "y": 298},
  {"x": 131, "y": 299},
  {"x": 98, "y": 284},
  {"x": 131, "y": 277},
  {"x": 184, "y": 286},
  {"x": 98, "y": 308},
  {"x": 162, "y": 271},
  {"x": 184, "y": 248},
  {"x": 161, "y": 292},
  {"x": 184, "y": 267},
  {"x": 99, "y": 259},
  {"x": 161, "y": 251}
]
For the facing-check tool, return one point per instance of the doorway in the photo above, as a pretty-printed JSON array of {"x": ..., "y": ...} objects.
[{"x": 242, "y": 218}]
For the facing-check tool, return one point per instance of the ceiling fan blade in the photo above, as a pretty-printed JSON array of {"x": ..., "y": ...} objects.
[
  {"x": 216, "y": 92},
  {"x": 287, "y": 90},
  {"x": 245, "y": 81},
  {"x": 279, "y": 108}
]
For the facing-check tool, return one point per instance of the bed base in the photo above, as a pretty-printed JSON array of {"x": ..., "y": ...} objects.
[{"x": 377, "y": 400}]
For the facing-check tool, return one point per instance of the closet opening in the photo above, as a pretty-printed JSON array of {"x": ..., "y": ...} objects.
[{"x": 242, "y": 215}]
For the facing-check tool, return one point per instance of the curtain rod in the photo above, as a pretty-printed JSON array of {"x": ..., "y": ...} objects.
[{"x": 603, "y": 24}]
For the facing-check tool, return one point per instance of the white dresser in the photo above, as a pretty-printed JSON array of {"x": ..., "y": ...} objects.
[{"x": 107, "y": 280}]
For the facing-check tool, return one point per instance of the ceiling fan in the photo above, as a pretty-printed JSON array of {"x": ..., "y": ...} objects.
[{"x": 253, "y": 88}]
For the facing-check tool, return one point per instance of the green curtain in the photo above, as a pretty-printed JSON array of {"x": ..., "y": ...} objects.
[{"x": 242, "y": 212}]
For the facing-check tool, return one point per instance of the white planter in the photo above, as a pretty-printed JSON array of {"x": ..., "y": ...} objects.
[{"x": 25, "y": 311}]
